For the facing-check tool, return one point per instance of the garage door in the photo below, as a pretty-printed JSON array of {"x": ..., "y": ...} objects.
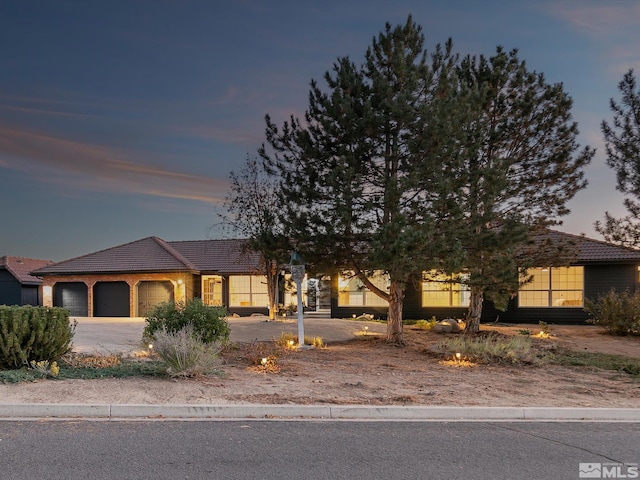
[
  {"x": 151, "y": 294},
  {"x": 72, "y": 296},
  {"x": 111, "y": 299}
]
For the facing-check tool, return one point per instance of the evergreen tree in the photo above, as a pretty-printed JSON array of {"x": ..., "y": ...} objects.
[
  {"x": 252, "y": 206},
  {"x": 521, "y": 169},
  {"x": 622, "y": 139},
  {"x": 359, "y": 192}
]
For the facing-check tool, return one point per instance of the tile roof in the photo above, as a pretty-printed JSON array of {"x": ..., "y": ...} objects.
[
  {"x": 225, "y": 256},
  {"x": 21, "y": 268},
  {"x": 229, "y": 256},
  {"x": 152, "y": 254},
  {"x": 590, "y": 250}
]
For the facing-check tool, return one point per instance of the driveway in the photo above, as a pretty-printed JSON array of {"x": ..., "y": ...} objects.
[{"x": 124, "y": 335}]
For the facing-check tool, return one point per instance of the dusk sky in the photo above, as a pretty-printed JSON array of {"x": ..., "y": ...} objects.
[{"x": 122, "y": 119}]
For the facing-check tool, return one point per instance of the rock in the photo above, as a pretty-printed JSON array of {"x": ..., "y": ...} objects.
[{"x": 449, "y": 325}]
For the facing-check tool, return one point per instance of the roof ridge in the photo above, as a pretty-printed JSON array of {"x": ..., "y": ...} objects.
[{"x": 174, "y": 253}]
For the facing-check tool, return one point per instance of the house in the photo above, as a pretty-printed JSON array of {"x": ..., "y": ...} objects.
[
  {"x": 130, "y": 280},
  {"x": 17, "y": 285},
  {"x": 555, "y": 295}
]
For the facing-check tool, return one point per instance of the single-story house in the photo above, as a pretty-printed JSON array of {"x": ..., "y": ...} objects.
[
  {"x": 17, "y": 285},
  {"x": 555, "y": 295},
  {"x": 129, "y": 280}
]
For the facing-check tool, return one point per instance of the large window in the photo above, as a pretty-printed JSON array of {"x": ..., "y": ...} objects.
[
  {"x": 441, "y": 290},
  {"x": 212, "y": 290},
  {"x": 248, "y": 291},
  {"x": 353, "y": 293},
  {"x": 553, "y": 287}
]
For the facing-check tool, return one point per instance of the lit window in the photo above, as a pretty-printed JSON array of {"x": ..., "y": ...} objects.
[
  {"x": 553, "y": 287},
  {"x": 248, "y": 291},
  {"x": 353, "y": 293},
  {"x": 212, "y": 290},
  {"x": 442, "y": 290}
]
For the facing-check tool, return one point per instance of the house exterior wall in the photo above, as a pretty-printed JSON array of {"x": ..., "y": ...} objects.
[
  {"x": 12, "y": 292},
  {"x": 598, "y": 279},
  {"x": 183, "y": 285},
  {"x": 10, "y": 289}
]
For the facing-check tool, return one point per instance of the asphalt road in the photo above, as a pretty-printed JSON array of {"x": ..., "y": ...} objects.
[{"x": 307, "y": 450}]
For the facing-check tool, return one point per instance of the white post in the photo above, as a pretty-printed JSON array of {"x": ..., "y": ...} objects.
[
  {"x": 297, "y": 274},
  {"x": 300, "y": 314}
]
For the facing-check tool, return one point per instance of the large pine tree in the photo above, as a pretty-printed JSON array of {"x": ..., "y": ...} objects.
[
  {"x": 522, "y": 166},
  {"x": 359, "y": 191}
]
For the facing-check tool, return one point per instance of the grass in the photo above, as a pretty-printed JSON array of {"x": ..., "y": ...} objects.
[
  {"x": 603, "y": 361},
  {"x": 87, "y": 367},
  {"x": 494, "y": 348},
  {"x": 514, "y": 350}
]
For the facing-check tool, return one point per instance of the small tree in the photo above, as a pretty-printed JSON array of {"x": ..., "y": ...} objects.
[
  {"x": 253, "y": 211},
  {"x": 622, "y": 140}
]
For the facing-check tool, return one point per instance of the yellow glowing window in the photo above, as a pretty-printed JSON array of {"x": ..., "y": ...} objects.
[
  {"x": 353, "y": 293},
  {"x": 248, "y": 291},
  {"x": 553, "y": 287},
  {"x": 442, "y": 290}
]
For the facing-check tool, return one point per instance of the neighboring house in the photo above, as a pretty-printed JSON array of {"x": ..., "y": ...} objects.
[
  {"x": 556, "y": 294},
  {"x": 17, "y": 285},
  {"x": 131, "y": 279}
]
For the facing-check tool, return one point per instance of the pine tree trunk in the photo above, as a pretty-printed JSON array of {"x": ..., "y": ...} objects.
[
  {"x": 395, "y": 335},
  {"x": 272, "y": 290},
  {"x": 475, "y": 310}
]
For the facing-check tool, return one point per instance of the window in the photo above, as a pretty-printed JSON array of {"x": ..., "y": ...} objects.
[
  {"x": 248, "y": 291},
  {"x": 353, "y": 293},
  {"x": 442, "y": 290},
  {"x": 212, "y": 290},
  {"x": 553, "y": 287}
]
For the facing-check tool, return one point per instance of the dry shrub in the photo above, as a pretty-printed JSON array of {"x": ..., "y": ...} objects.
[{"x": 185, "y": 354}]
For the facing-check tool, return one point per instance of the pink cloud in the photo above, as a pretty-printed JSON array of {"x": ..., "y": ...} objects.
[{"x": 88, "y": 167}]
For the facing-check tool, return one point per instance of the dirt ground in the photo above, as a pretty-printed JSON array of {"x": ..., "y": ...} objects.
[{"x": 365, "y": 370}]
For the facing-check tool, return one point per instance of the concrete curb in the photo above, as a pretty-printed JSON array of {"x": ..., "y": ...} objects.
[{"x": 319, "y": 412}]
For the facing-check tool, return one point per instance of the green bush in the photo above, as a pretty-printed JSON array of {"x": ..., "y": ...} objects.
[
  {"x": 617, "y": 313},
  {"x": 33, "y": 334},
  {"x": 209, "y": 323},
  {"x": 184, "y": 353}
]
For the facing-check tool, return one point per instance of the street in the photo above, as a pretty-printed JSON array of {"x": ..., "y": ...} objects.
[{"x": 312, "y": 449}]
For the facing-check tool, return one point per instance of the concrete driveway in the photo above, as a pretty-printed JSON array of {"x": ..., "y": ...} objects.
[{"x": 124, "y": 335}]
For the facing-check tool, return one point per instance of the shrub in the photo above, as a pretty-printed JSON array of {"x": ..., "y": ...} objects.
[
  {"x": 493, "y": 348},
  {"x": 426, "y": 324},
  {"x": 185, "y": 354},
  {"x": 617, "y": 313},
  {"x": 33, "y": 334},
  {"x": 209, "y": 323}
]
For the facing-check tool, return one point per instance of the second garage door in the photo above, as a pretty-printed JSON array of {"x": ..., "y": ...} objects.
[
  {"x": 151, "y": 294},
  {"x": 111, "y": 299}
]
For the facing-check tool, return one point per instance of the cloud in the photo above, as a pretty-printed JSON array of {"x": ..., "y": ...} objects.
[
  {"x": 88, "y": 167},
  {"x": 613, "y": 25},
  {"x": 599, "y": 19}
]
